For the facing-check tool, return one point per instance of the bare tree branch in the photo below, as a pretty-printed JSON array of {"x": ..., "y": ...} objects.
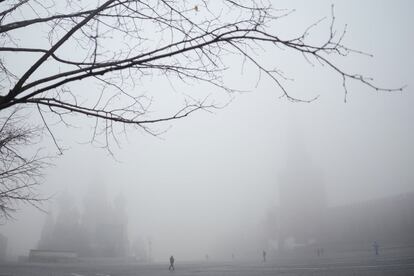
[
  {"x": 20, "y": 172},
  {"x": 115, "y": 45}
]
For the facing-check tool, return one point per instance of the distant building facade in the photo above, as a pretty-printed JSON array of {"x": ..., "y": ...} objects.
[
  {"x": 99, "y": 231},
  {"x": 387, "y": 221},
  {"x": 303, "y": 220}
]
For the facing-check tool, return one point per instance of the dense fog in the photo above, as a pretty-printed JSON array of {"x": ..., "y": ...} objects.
[{"x": 218, "y": 185}]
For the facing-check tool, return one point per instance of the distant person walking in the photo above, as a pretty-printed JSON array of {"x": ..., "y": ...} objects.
[
  {"x": 171, "y": 263},
  {"x": 264, "y": 256},
  {"x": 375, "y": 245}
]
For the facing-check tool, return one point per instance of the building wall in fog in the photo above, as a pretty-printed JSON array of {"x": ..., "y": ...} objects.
[
  {"x": 388, "y": 221},
  {"x": 303, "y": 218},
  {"x": 99, "y": 231},
  {"x": 3, "y": 247}
]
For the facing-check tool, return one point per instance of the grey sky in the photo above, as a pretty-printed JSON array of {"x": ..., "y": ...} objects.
[{"x": 211, "y": 174}]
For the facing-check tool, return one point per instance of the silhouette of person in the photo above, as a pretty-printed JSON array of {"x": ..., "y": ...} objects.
[
  {"x": 376, "y": 247},
  {"x": 171, "y": 263},
  {"x": 264, "y": 256}
]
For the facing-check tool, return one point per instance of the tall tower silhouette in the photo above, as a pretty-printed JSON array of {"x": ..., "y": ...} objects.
[{"x": 302, "y": 199}]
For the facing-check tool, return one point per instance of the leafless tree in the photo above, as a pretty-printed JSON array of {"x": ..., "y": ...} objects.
[
  {"x": 90, "y": 57},
  {"x": 119, "y": 42},
  {"x": 20, "y": 169}
]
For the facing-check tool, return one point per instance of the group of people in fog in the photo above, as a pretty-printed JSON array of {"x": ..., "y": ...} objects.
[{"x": 319, "y": 251}]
